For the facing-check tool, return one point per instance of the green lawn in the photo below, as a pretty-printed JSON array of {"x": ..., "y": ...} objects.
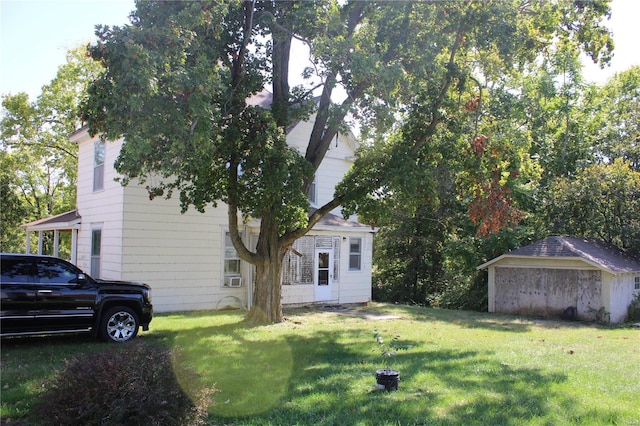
[{"x": 318, "y": 368}]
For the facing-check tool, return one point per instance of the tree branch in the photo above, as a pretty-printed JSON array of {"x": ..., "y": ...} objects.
[{"x": 448, "y": 79}]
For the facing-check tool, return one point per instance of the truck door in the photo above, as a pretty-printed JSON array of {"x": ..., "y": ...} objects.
[
  {"x": 64, "y": 297},
  {"x": 18, "y": 294}
]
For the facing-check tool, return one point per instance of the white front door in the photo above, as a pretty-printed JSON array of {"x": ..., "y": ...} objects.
[{"x": 323, "y": 274}]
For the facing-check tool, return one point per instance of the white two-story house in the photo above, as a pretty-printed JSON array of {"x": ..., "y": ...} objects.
[{"x": 188, "y": 259}]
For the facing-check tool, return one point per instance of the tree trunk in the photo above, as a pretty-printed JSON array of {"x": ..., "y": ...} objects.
[{"x": 267, "y": 288}]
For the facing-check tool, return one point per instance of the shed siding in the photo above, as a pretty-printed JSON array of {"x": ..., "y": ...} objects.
[
  {"x": 547, "y": 292},
  {"x": 621, "y": 293},
  {"x": 590, "y": 294}
]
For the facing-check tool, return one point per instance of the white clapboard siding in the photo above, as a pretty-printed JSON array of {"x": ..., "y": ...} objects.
[{"x": 182, "y": 255}]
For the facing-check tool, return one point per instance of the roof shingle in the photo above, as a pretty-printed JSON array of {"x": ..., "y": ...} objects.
[{"x": 594, "y": 251}]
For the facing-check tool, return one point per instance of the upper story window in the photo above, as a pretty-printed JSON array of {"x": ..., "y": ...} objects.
[
  {"x": 98, "y": 166},
  {"x": 313, "y": 191},
  {"x": 355, "y": 254}
]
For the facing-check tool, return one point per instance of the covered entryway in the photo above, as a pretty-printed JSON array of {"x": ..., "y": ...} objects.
[{"x": 68, "y": 222}]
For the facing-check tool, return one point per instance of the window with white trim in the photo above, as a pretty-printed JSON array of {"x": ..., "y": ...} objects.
[
  {"x": 313, "y": 191},
  {"x": 355, "y": 254},
  {"x": 232, "y": 277},
  {"x": 636, "y": 285},
  {"x": 96, "y": 249},
  {"x": 98, "y": 165}
]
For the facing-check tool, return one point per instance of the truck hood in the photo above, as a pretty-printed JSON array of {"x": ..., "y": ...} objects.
[{"x": 122, "y": 283}]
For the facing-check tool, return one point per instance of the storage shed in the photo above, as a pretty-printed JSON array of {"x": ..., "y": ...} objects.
[{"x": 553, "y": 275}]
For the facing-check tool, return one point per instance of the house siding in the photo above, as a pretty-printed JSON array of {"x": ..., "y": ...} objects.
[
  {"x": 348, "y": 286},
  {"x": 181, "y": 255},
  {"x": 333, "y": 167},
  {"x": 100, "y": 209},
  {"x": 174, "y": 251}
]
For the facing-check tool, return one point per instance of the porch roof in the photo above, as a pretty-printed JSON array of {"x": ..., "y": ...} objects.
[{"x": 63, "y": 221}]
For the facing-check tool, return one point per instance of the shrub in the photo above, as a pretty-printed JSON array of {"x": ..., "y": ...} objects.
[
  {"x": 633, "y": 311},
  {"x": 131, "y": 385}
]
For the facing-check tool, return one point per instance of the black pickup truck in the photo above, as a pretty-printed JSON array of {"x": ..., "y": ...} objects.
[{"x": 47, "y": 295}]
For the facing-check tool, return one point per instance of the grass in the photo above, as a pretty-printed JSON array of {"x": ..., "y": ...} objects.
[{"x": 319, "y": 368}]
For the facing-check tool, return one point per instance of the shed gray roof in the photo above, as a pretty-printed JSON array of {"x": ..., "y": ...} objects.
[{"x": 592, "y": 251}]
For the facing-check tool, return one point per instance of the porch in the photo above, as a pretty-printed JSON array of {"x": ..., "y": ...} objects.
[{"x": 68, "y": 222}]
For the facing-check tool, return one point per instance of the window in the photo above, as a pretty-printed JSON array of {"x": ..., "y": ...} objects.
[
  {"x": 231, "y": 264},
  {"x": 355, "y": 254},
  {"x": 96, "y": 242},
  {"x": 54, "y": 272},
  {"x": 636, "y": 286},
  {"x": 16, "y": 271},
  {"x": 313, "y": 192},
  {"x": 98, "y": 166}
]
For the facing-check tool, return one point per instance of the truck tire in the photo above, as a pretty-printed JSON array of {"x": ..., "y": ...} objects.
[{"x": 119, "y": 324}]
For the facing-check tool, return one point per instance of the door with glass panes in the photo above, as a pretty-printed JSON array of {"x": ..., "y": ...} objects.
[{"x": 323, "y": 274}]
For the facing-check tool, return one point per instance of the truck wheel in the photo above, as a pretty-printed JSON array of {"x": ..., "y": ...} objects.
[{"x": 119, "y": 324}]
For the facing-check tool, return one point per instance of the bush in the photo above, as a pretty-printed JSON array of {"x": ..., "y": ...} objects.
[
  {"x": 131, "y": 385},
  {"x": 633, "y": 311}
]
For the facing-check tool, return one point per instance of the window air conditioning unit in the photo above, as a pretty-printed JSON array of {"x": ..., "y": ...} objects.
[{"x": 235, "y": 281}]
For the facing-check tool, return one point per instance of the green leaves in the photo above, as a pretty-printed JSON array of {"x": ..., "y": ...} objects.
[
  {"x": 36, "y": 148},
  {"x": 602, "y": 201},
  {"x": 427, "y": 82}
]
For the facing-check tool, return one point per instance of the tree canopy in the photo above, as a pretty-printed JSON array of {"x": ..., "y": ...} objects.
[{"x": 177, "y": 81}]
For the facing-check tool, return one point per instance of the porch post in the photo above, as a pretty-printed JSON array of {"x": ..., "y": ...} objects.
[
  {"x": 40, "y": 242},
  {"x": 74, "y": 246},
  {"x": 56, "y": 242},
  {"x": 27, "y": 249}
]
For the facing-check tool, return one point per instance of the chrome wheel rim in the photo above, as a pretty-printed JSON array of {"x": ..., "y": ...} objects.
[{"x": 121, "y": 326}]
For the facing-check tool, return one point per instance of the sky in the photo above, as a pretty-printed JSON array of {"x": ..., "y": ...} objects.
[{"x": 36, "y": 34}]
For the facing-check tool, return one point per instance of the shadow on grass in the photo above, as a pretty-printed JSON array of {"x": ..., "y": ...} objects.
[
  {"x": 268, "y": 376},
  {"x": 274, "y": 375},
  {"x": 468, "y": 319}
]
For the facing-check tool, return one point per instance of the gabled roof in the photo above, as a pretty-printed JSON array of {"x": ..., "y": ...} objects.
[
  {"x": 594, "y": 252},
  {"x": 336, "y": 223},
  {"x": 264, "y": 99},
  {"x": 67, "y": 220}
]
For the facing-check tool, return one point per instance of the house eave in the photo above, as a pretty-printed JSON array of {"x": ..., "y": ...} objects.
[{"x": 345, "y": 229}]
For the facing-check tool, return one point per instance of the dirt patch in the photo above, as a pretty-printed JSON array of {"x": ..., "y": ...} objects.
[{"x": 343, "y": 310}]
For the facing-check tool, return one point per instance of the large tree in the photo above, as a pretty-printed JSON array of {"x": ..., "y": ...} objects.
[
  {"x": 613, "y": 115},
  {"x": 178, "y": 78},
  {"x": 601, "y": 201}
]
